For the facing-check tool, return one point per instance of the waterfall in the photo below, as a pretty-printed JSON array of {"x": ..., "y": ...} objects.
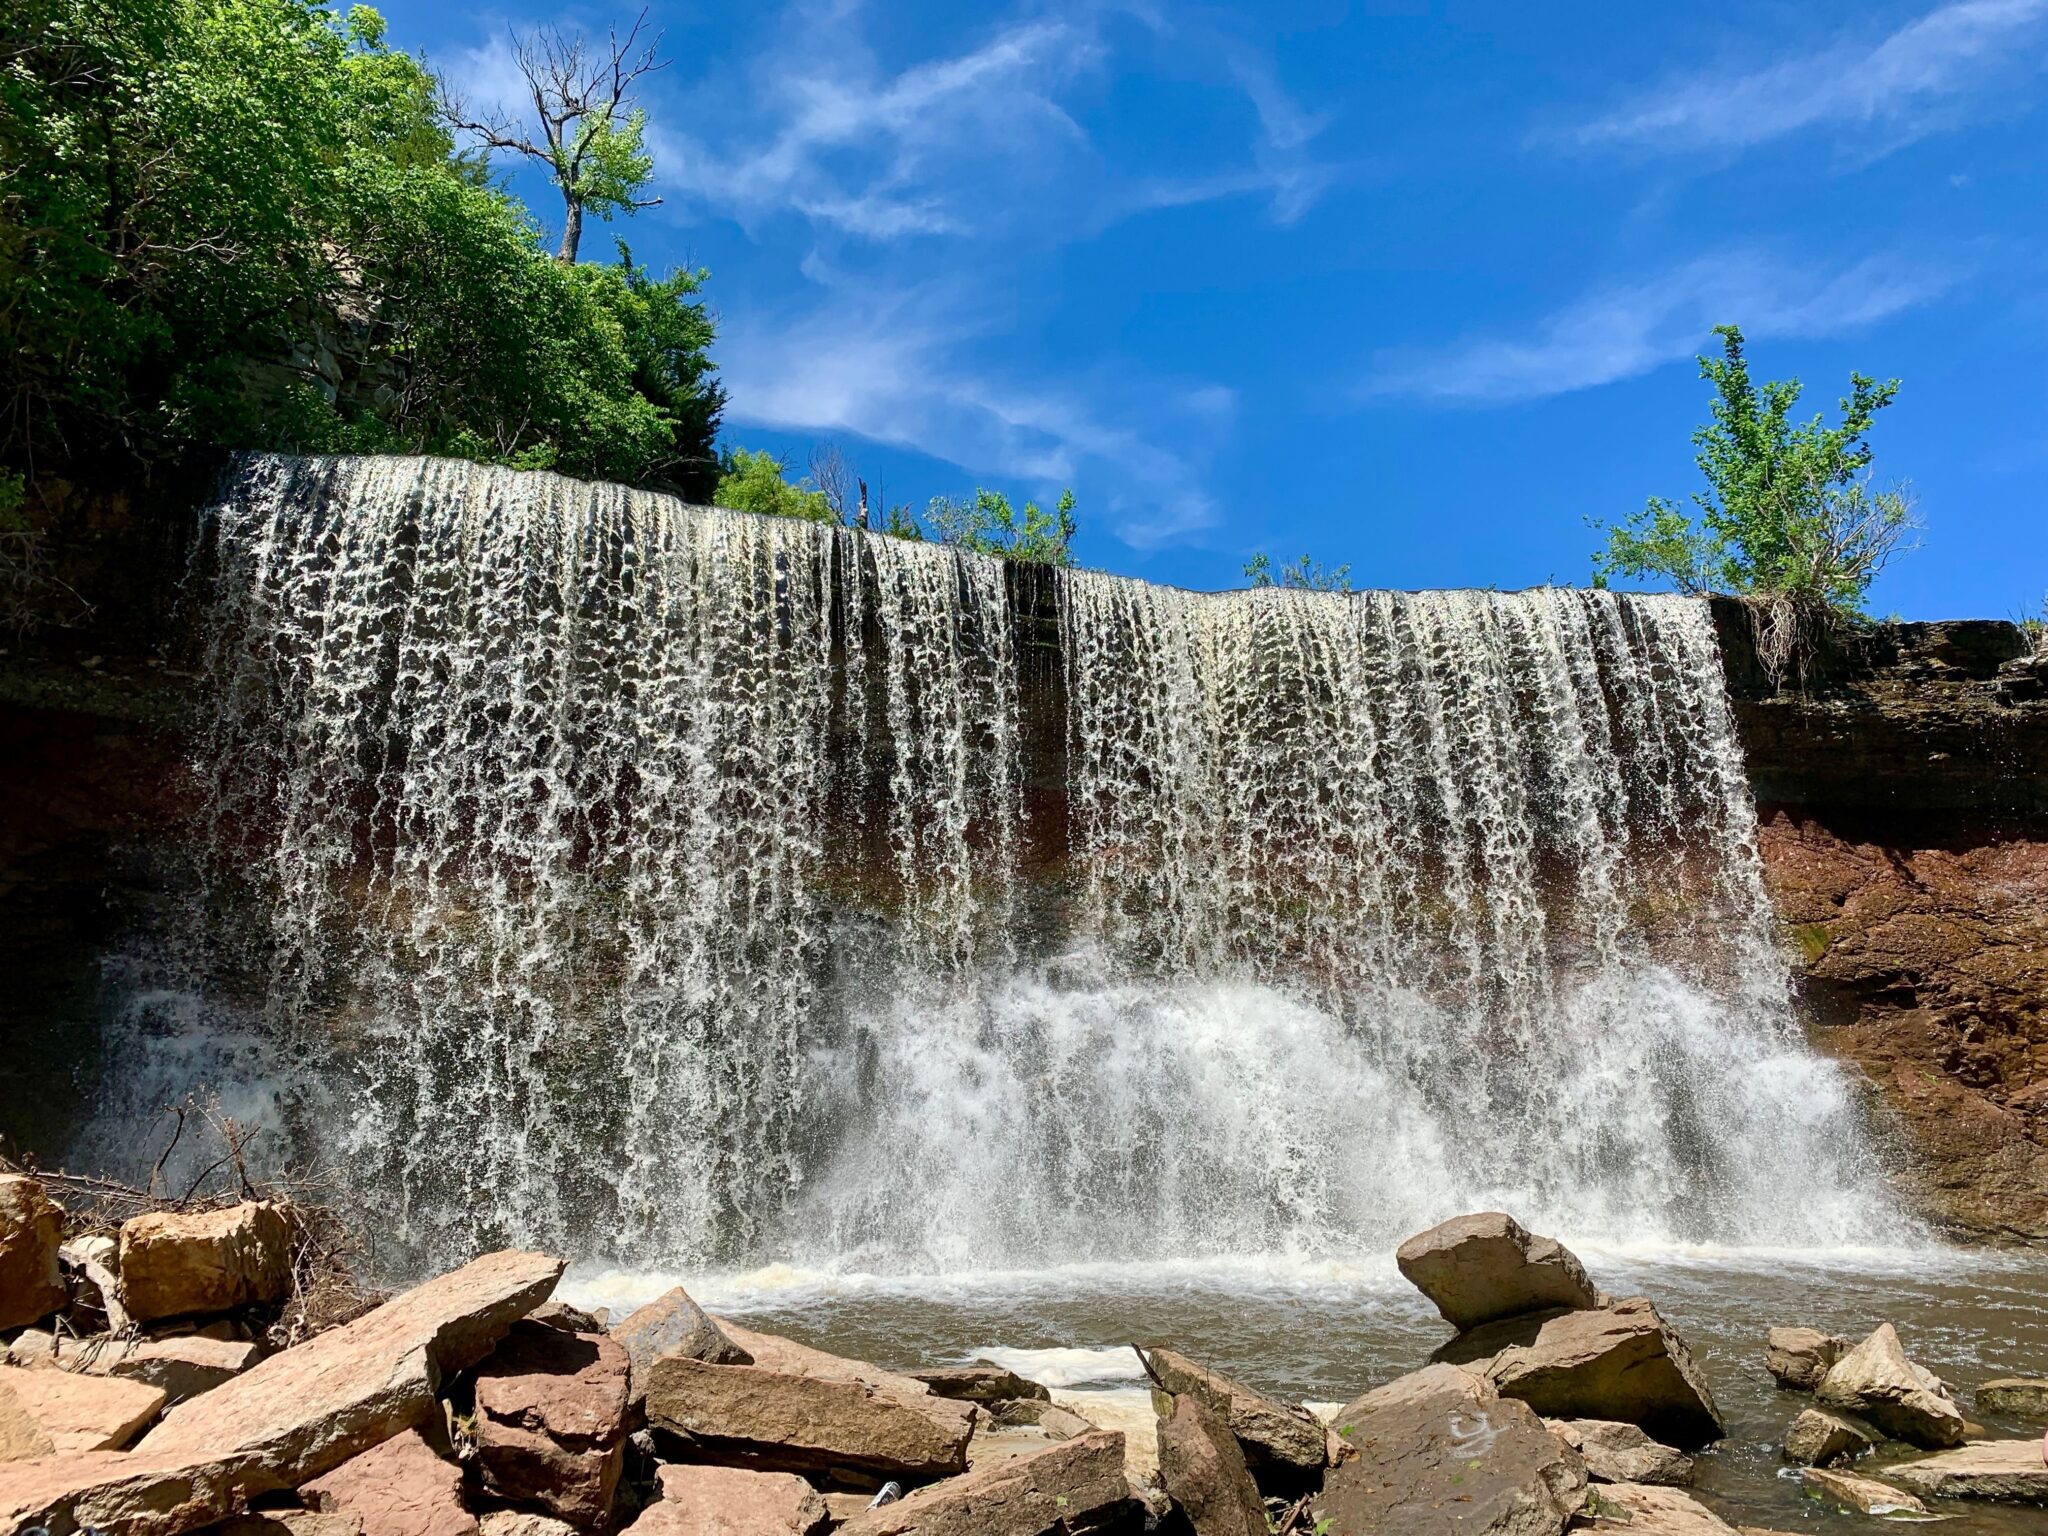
[{"x": 684, "y": 886}]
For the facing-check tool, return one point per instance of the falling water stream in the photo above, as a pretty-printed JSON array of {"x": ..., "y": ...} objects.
[{"x": 697, "y": 892}]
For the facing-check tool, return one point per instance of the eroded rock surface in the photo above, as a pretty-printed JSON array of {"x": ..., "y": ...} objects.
[
  {"x": 1482, "y": 1267},
  {"x": 1799, "y": 1357},
  {"x": 1621, "y": 1453},
  {"x": 400, "y": 1488},
  {"x": 551, "y": 1421},
  {"x": 1203, "y": 1469},
  {"x": 174, "y": 1264},
  {"x": 1820, "y": 1439},
  {"x": 673, "y": 1324},
  {"x": 1277, "y": 1438},
  {"x": 2011, "y": 1470},
  {"x": 1877, "y": 1382}
]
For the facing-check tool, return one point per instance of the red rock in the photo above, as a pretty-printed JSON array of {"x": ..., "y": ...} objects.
[
  {"x": 1202, "y": 1466},
  {"x": 31, "y": 1230},
  {"x": 729, "y": 1501},
  {"x": 399, "y": 1488},
  {"x": 551, "y": 1421},
  {"x": 1486, "y": 1266},
  {"x": 1278, "y": 1439},
  {"x": 672, "y": 1324},
  {"x": 1058, "y": 1487},
  {"x": 175, "y": 1265},
  {"x": 82, "y": 1413}
]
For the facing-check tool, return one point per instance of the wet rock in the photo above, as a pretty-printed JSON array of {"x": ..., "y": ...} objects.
[
  {"x": 672, "y": 1324},
  {"x": 559, "y": 1314},
  {"x": 176, "y": 1265},
  {"x": 31, "y": 1231},
  {"x": 1203, "y": 1470},
  {"x": 802, "y": 1410},
  {"x": 182, "y": 1367},
  {"x": 1621, "y": 1453},
  {"x": 2016, "y": 1396},
  {"x": 1645, "y": 1510},
  {"x": 2011, "y": 1470},
  {"x": 1440, "y": 1453},
  {"x": 730, "y": 1501},
  {"x": 551, "y": 1421},
  {"x": 1876, "y": 1381},
  {"x": 81, "y": 1413},
  {"x": 1620, "y": 1361},
  {"x": 984, "y": 1384},
  {"x": 1800, "y": 1357},
  {"x": 399, "y": 1488},
  {"x": 1863, "y": 1495},
  {"x": 1484, "y": 1267},
  {"x": 1278, "y": 1439},
  {"x": 1057, "y": 1488},
  {"x": 1820, "y": 1439}
]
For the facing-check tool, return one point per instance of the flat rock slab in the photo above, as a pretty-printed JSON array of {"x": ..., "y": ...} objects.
[
  {"x": 1644, "y": 1509},
  {"x": 551, "y": 1421},
  {"x": 1488, "y": 1266},
  {"x": 181, "y": 1367},
  {"x": 1798, "y": 1358},
  {"x": 1621, "y": 1453},
  {"x": 2011, "y": 1470},
  {"x": 400, "y": 1488},
  {"x": 1440, "y": 1453},
  {"x": 291, "y": 1418},
  {"x": 2020, "y": 1397},
  {"x": 983, "y": 1384},
  {"x": 1864, "y": 1495},
  {"x": 1876, "y": 1381},
  {"x": 31, "y": 1231},
  {"x": 1056, "y": 1489},
  {"x": 673, "y": 1324},
  {"x": 1818, "y": 1438},
  {"x": 1203, "y": 1469},
  {"x": 730, "y": 1501},
  {"x": 1620, "y": 1361},
  {"x": 1277, "y": 1438},
  {"x": 81, "y": 1413},
  {"x": 176, "y": 1264}
]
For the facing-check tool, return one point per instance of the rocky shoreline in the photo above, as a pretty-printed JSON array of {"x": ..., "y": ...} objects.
[{"x": 154, "y": 1385}]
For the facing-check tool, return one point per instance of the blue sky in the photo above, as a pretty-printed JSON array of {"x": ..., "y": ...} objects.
[{"x": 1413, "y": 286}]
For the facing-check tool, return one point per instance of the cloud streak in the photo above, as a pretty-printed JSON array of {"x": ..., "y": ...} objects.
[
  {"x": 1903, "y": 85},
  {"x": 1628, "y": 329}
]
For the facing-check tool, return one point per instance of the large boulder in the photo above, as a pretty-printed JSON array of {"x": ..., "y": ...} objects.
[
  {"x": 1279, "y": 1439},
  {"x": 31, "y": 1231},
  {"x": 1060, "y": 1486},
  {"x": 1799, "y": 1357},
  {"x": 984, "y": 1384},
  {"x": 400, "y": 1488},
  {"x": 1621, "y": 1453},
  {"x": 1862, "y": 1495},
  {"x": 1820, "y": 1439},
  {"x": 672, "y": 1324},
  {"x": 731, "y": 1501},
  {"x": 177, "y": 1264},
  {"x": 798, "y": 1409},
  {"x": 1483, "y": 1267},
  {"x": 1620, "y": 1361},
  {"x": 551, "y": 1421},
  {"x": 2012, "y": 1470},
  {"x": 78, "y": 1413},
  {"x": 1908, "y": 1402},
  {"x": 1440, "y": 1453},
  {"x": 1644, "y": 1509},
  {"x": 1204, "y": 1472},
  {"x": 291, "y": 1418},
  {"x": 2016, "y": 1396}
]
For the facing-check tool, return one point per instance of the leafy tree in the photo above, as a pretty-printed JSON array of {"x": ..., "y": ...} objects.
[
  {"x": 1789, "y": 509},
  {"x": 757, "y": 481},
  {"x": 1304, "y": 575},
  {"x": 990, "y": 524},
  {"x": 592, "y": 138}
]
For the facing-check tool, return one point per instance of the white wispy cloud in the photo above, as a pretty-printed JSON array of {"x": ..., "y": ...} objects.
[
  {"x": 1627, "y": 329},
  {"x": 1931, "y": 71}
]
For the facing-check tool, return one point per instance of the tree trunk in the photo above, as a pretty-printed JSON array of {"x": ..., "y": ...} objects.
[{"x": 572, "y": 230}]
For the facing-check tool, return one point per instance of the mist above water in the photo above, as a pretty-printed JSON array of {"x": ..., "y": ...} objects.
[{"x": 680, "y": 887}]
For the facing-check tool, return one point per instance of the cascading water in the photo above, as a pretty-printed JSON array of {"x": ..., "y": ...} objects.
[{"x": 680, "y": 885}]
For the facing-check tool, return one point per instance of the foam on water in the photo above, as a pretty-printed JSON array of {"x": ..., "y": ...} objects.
[{"x": 679, "y": 889}]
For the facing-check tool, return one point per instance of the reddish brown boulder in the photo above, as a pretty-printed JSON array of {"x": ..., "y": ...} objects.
[
  {"x": 1203, "y": 1468},
  {"x": 31, "y": 1231},
  {"x": 1487, "y": 1266},
  {"x": 551, "y": 1421},
  {"x": 175, "y": 1265},
  {"x": 399, "y": 1488},
  {"x": 731, "y": 1501},
  {"x": 984, "y": 1384},
  {"x": 181, "y": 1367},
  {"x": 672, "y": 1324},
  {"x": 1279, "y": 1440},
  {"x": 81, "y": 1413},
  {"x": 1057, "y": 1488}
]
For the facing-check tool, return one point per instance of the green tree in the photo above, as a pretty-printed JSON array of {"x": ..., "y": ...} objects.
[
  {"x": 1304, "y": 575},
  {"x": 1789, "y": 509},
  {"x": 757, "y": 481},
  {"x": 591, "y": 138},
  {"x": 988, "y": 523}
]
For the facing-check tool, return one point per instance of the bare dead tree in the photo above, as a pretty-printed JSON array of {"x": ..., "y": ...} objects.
[
  {"x": 590, "y": 129},
  {"x": 832, "y": 475}
]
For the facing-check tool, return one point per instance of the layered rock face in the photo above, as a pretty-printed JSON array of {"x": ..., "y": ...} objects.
[{"x": 1902, "y": 808}]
